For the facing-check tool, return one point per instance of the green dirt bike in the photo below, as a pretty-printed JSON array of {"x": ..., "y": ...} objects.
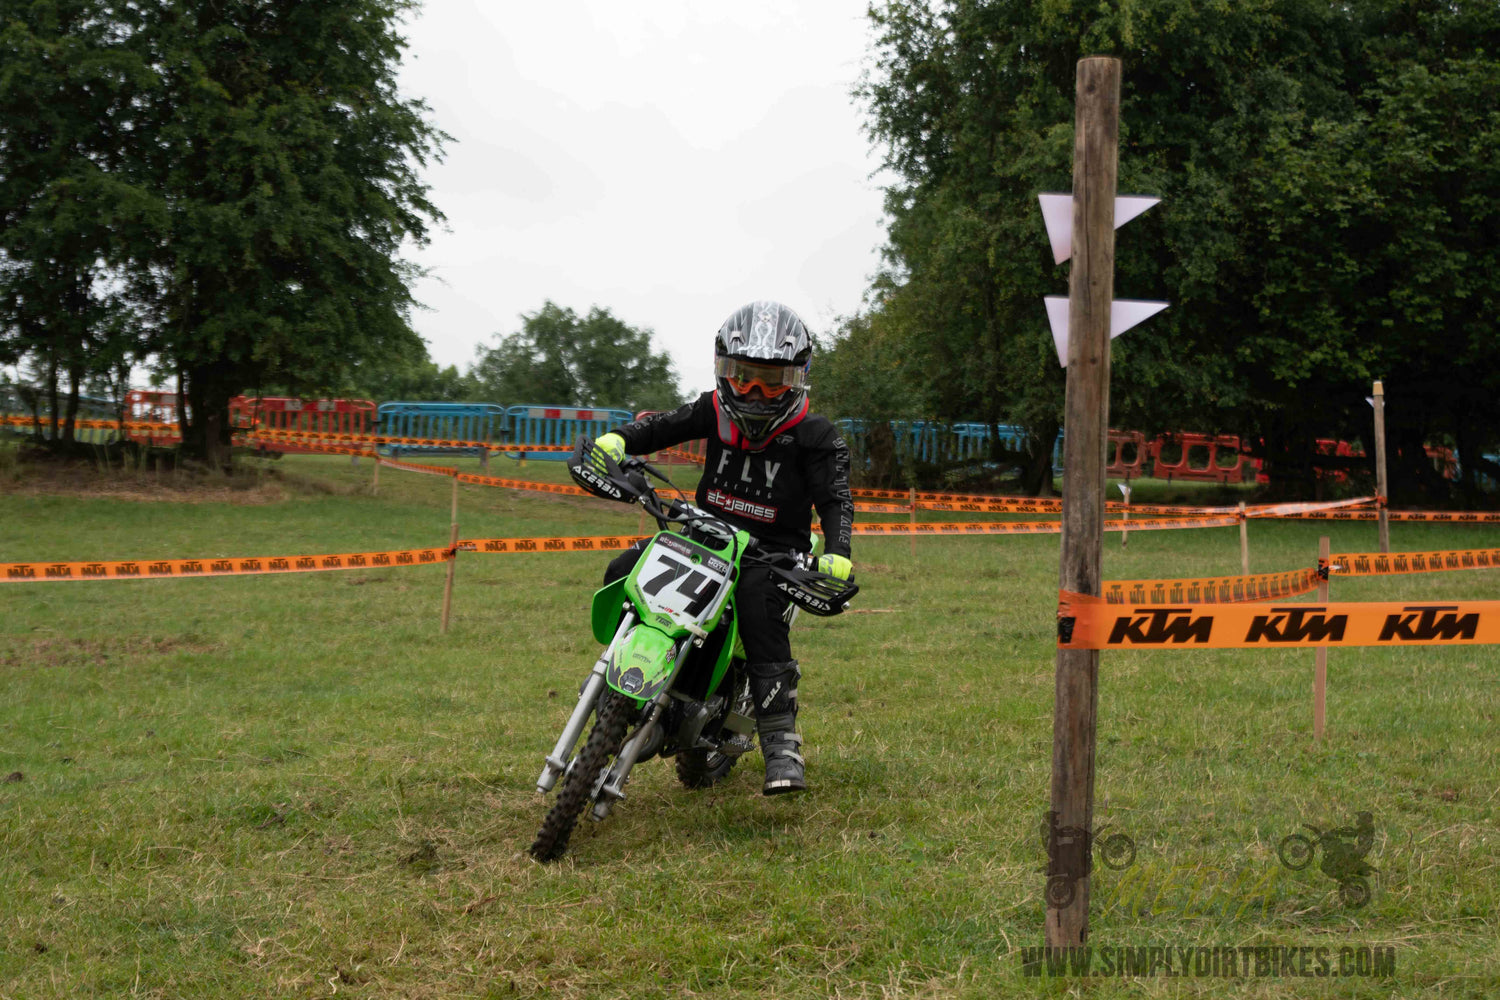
[{"x": 671, "y": 680}]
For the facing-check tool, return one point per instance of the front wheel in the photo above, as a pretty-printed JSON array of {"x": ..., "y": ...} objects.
[
  {"x": 1296, "y": 851},
  {"x": 615, "y": 712},
  {"x": 703, "y": 768}
]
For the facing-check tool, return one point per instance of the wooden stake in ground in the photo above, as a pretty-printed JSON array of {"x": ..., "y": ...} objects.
[
  {"x": 1320, "y": 656},
  {"x": 1125, "y": 535},
  {"x": 1379, "y": 404},
  {"x": 452, "y": 563},
  {"x": 1244, "y": 541},
  {"x": 1086, "y": 431},
  {"x": 911, "y": 498}
]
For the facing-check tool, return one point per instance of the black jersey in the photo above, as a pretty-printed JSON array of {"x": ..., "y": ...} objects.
[{"x": 769, "y": 493}]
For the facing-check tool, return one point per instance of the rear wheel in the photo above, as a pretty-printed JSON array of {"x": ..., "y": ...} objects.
[
  {"x": 615, "y": 713},
  {"x": 703, "y": 768}
]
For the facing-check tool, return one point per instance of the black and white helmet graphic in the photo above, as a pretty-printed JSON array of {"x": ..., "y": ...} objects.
[{"x": 761, "y": 356}]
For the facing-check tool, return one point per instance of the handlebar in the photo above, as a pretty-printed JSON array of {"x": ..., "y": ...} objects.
[{"x": 793, "y": 573}]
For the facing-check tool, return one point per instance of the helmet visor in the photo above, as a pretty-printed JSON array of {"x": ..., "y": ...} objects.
[{"x": 772, "y": 379}]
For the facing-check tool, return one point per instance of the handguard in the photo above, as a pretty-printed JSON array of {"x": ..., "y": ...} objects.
[
  {"x": 817, "y": 593},
  {"x": 614, "y": 484}
]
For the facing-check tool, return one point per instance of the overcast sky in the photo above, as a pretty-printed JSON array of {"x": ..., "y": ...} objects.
[{"x": 667, "y": 160}]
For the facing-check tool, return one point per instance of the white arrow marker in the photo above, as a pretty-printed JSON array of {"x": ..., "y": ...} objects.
[
  {"x": 1123, "y": 314},
  {"x": 1057, "y": 213}
]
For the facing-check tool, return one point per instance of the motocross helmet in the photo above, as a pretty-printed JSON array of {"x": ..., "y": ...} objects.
[{"x": 761, "y": 357}]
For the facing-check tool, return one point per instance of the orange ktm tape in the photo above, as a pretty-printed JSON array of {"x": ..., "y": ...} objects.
[
  {"x": 1032, "y": 527},
  {"x": 688, "y": 456},
  {"x": 591, "y": 543},
  {"x": 994, "y": 505},
  {"x": 179, "y": 569},
  {"x": 337, "y": 437},
  {"x": 1384, "y": 564},
  {"x": 523, "y": 484},
  {"x": 881, "y": 508},
  {"x": 1436, "y": 516},
  {"x": 1305, "y": 508},
  {"x": 1444, "y": 516},
  {"x": 131, "y": 426},
  {"x": 323, "y": 449},
  {"x": 431, "y": 470},
  {"x": 1091, "y": 623},
  {"x": 1213, "y": 589}
]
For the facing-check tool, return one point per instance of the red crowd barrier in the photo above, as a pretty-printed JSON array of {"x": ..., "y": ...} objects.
[
  {"x": 287, "y": 413},
  {"x": 152, "y": 406},
  {"x": 1200, "y": 459},
  {"x": 1127, "y": 454}
]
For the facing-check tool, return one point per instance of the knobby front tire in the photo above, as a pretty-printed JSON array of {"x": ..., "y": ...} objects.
[{"x": 605, "y": 739}]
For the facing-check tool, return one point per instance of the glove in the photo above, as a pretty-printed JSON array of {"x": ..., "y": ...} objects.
[
  {"x": 837, "y": 566},
  {"x": 607, "y": 444}
]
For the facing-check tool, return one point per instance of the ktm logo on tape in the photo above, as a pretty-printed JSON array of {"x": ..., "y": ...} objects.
[
  {"x": 1086, "y": 622},
  {"x": 1297, "y": 624},
  {"x": 1161, "y": 625},
  {"x": 1422, "y": 624}
]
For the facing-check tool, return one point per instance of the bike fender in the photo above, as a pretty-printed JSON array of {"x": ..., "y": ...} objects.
[
  {"x": 642, "y": 663},
  {"x": 609, "y": 603}
]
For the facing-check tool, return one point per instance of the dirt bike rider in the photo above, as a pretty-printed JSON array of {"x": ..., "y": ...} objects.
[
  {"x": 769, "y": 461},
  {"x": 1344, "y": 848}
]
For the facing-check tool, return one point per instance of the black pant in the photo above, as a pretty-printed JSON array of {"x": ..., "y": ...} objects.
[{"x": 762, "y": 609}]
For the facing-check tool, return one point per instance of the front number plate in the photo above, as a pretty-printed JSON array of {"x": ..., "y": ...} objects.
[{"x": 682, "y": 580}]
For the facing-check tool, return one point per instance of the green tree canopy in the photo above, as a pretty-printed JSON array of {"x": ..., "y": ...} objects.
[
  {"x": 238, "y": 178},
  {"x": 1329, "y": 214},
  {"x": 67, "y": 86},
  {"x": 559, "y": 357}
]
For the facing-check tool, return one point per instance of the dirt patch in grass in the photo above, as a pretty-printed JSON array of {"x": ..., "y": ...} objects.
[{"x": 71, "y": 477}]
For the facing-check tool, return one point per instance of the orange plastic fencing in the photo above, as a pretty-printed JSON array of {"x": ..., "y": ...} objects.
[
  {"x": 1127, "y": 454},
  {"x": 1203, "y": 458},
  {"x": 153, "y": 407},
  {"x": 317, "y": 416}
]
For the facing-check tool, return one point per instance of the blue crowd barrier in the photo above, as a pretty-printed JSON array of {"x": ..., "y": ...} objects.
[
  {"x": 89, "y": 408},
  {"x": 534, "y": 423},
  {"x": 446, "y": 421},
  {"x": 939, "y": 442}
]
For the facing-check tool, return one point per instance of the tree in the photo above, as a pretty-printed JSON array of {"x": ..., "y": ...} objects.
[
  {"x": 558, "y": 357},
  {"x": 66, "y": 93},
  {"x": 286, "y": 169},
  {"x": 1318, "y": 164}
]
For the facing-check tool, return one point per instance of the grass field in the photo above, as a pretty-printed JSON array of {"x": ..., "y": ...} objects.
[{"x": 295, "y": 786}]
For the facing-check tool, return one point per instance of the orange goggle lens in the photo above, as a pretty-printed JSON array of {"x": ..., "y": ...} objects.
[{"x": 773, "y": 380}]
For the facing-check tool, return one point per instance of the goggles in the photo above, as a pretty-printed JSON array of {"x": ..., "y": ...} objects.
[{"x": 771, "y": 379}]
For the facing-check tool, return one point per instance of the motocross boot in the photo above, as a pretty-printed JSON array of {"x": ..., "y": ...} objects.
[{"x": 774, "y": 689}]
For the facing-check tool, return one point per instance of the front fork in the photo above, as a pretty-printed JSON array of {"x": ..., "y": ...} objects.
[
  {"x": 557, "y": 760},
  {"x": 612, "y": 789}
]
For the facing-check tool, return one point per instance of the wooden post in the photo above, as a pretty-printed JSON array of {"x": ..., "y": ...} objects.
[
  {"x": 911, "y": 498},
  {"x": 1244, "y": 541},
  {"x": 452, "y": 563},
  {"x": 1380, "y": 482},
  {"x": 1086, "y": 432},
  {"x": 1320, "y": 656},
  {"x": 1125, "y": 535}
]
